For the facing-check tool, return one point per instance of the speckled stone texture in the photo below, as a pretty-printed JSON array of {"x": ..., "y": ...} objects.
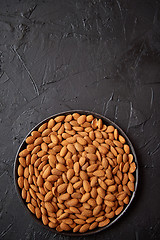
[{"x": 94, "y": 55}]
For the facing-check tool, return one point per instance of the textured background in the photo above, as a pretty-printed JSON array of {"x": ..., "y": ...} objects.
[{"x": 102, "y": 56}]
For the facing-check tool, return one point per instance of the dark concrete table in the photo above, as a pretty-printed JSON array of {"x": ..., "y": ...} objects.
[{"x": 94, "y": 55}]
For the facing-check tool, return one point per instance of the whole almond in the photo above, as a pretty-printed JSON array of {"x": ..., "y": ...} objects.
[
  {"x": 130, "y": 186},
  {"x": 119, "y": 210},
  {"x": 70, "y": 174},
  {"x": 63, "y": 151},
  {"x": 78, "y": 147},
  {"x": 126, "y": 200},
  {"x": 21, "y": 182},
  {"x": 81, "y": 141},
  {"x": 93, "y": 225},
  {"x": 71, "y": 148},
  {"x": 92, "y": 168},
  {"x": 121, "y": 139},
  {"x": 76, "y": 168},
  {"x": 64, "y": 196},
  {"x": 46, "y": 172},
  {"x": 38, "y": 212},
  {"x": 86, "y": 186},
  {"x": 24, "y": 153},
  {"x": 125, "y": 167},
  {"x": 81, "y": 119},
  {"x": 101, "y": 192},
  {"x": 31, "y": 208},
  {"x": 104, "y": 223},
  {"x": 96, "y": 210},
  {"x": 49, "y": 207},
  {"x": 84, "y": 228},
  {"x": 77, "y": 185},
  {"x": 132, "y": 167},
  {"x": 56, "y": 127},
  {"x": 72, "y": 202},
  {"x": 98, "y": 173},
  {"x": 26, "y": 172},
  {"x": 83, "y": 175},
  {"x": 62, "y": 188},
  {"x": 61, "y": 167},
  {"x": 24, "y": 193},
  {"x": 22, "y": 161},
  {"x": 126, "y": 148},
  {"x": 110, "y": 129},
  {"x": 59, "y": 118},
  {"x": 131, "y": 177},
  {"x": 87, "y": 213},
  {"x": 111, "y": 188},
  {"x": 85, "y": 197},
  {"x": 103, "y": 150},
  {"x": 54, "y": 139}
]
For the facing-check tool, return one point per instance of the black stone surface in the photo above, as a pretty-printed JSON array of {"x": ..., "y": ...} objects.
[{"x": 102, "y": 56}]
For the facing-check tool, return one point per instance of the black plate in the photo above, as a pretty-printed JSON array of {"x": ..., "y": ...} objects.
[{"x": 107, "y": 122}]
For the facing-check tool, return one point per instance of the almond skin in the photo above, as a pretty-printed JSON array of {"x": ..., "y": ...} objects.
[
  {"x": 24, "y": 153},
  {"x": 86, "y": 186},
  {"x": 85, "y": 197}
]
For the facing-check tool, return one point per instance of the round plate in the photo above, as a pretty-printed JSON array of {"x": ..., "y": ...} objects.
[{"x": 107, "y": 122}]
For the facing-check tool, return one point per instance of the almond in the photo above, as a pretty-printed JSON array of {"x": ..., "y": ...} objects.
[
  {"x": 111, "y": 188},
  {"x": 103, "y": 150},
  {"x": 131, "y": 177},
  {"x": 72, "y": 202},
  {"x": 84, "y": 228},
  {"x": 104, "y": 223},
  {"x": 61, "y": 167},
  {"x": 62, "y": 188},
  {"x": 96, "y": 210},
  {"x": 71, "y": 148},
  {"x": 59, "y": 118},
  {"x": 87, "y": 213},
  {"x": 31, "y": 208},
  {"x": 49, "y": 207},
  {"x": 46, "y": 172},
  {"x": 101, "y": 192},
  {"x": 93, "y": 225},
  {"x": 126, "y": 148},
  {"x": 20, "y": 182},
  {"x": 125, "y": 167},
  {"x": 81, "y": 119},
  {"x": 79, "y": 221},
  {"x": 70, "y": 174},
  {"x": 85, "y": 197},
  {"x": 119, "y": 210},
  {"x": 110, "y": 197},
  {"x": 81, "y": 141},
  {"x": 92, "y": 168},
  {"x": 98, "y": 173},
  {"x": 121, "y": 139},
  {"x": 24, "y": 193},
  {"x": 83, "y": 175},
  {"x": 110, "y": 129},
  {"x": 132, "y": 167},
  {"x": 76, "y": 168},
  {"x": 64, "y": 196},
  {"x": 86, "y": 186},
  {"x": 131, "y": 186},
  {"x": 24, "y": 153},
  {"x": 63, "y": 151}
]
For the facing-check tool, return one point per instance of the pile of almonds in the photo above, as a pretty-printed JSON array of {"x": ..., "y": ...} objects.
[{"x": 76, "y": 173}]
